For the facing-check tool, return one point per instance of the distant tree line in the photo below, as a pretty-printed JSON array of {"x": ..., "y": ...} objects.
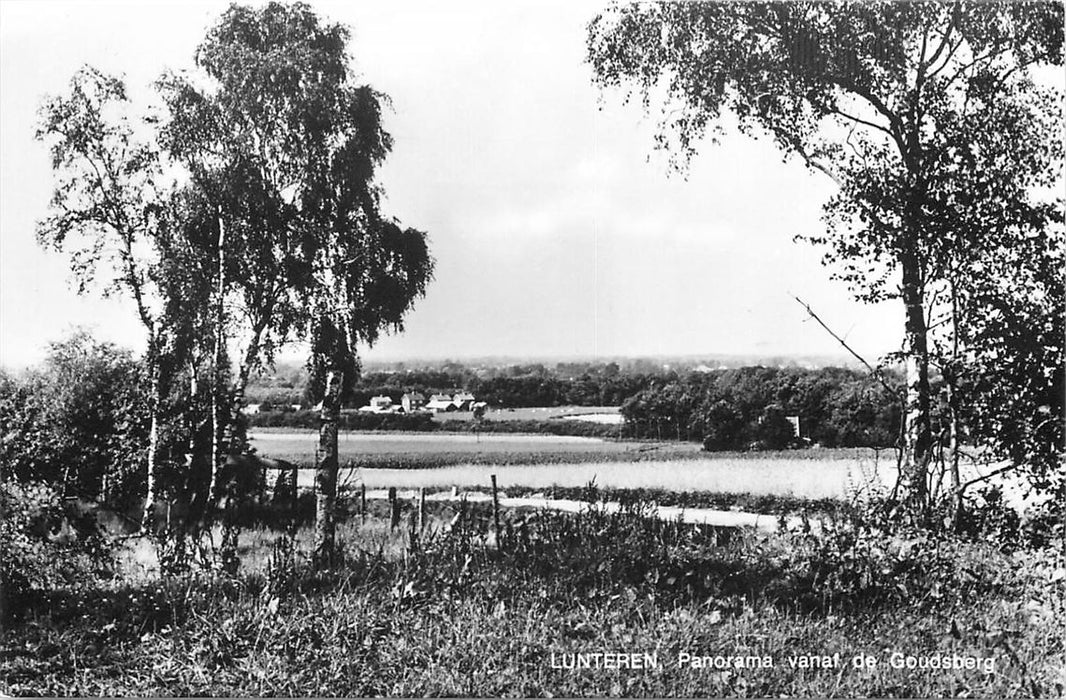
[
  {"x": 512, "y": 386},
  {"x": 725, "y": 409},
  {"x": 749, "y": 407}
]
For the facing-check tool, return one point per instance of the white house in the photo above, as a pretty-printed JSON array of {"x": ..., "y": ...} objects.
[
  {"x": 412, "y": 401},
  {"x": 378, "y": 404}
]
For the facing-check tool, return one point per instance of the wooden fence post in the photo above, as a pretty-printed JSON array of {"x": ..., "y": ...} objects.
[
  {"x": 421, "y": 510},
  {"x": 362, "y": 504},
  {"x": 496, "y": 510},
  {"x": 293, "y": 487},
  {"x": 394, "y": 509}
]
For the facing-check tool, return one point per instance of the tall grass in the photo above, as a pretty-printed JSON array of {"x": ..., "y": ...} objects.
[{"x": 460, "y": 613}]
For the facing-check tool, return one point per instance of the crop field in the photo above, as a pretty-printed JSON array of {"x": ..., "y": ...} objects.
[
  {"x": 542, "y": 461},
  {"x": 300, "y": 445},
  {"x": 802, "y": 478}
]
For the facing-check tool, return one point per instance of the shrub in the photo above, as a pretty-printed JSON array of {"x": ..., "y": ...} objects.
[
  {"x": 79, "y": 423},
  {"x": 42, "y": 545},
  {"x": 723, "y": 427},
  {"x": 774, "y": 431}
]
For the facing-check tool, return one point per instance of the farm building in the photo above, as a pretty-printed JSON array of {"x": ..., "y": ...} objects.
[
  {"x": 443, "y": 403},
  {"x": 463, "y": 401},
  {"x": 413, "y": 401},
  {"x": 440, "y": 403}
]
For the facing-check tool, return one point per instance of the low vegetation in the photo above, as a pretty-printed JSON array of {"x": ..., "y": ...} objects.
[
  {"x": 459, "y": 612},
  {"x": 426, "y": 422}
]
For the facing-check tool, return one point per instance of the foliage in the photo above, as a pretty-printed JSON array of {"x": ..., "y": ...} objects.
[
  {"x": 1013, "y": 385},
  {"x": 460, "y": 616},
  {"x": 775, "y": 432},
  {"x": 349, "y": 420},
  {"x": 725, "y": 408},
  {"x": 296, "y": 126},
  {"x": 425, "y": 422},
  {"x": 79, "y": 424},
  {"x": 43, "y": 546},
  {"x": 928, "y": 118},
  {"x": 271, "y": 229},
  {"x": 722, "y": 427},
  {"x": 510, "y": 386}
]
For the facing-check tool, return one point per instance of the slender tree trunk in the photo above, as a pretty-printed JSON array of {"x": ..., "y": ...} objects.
[
  {"x": 326, "y": 472},
  {"x": 216, "y": 428},
  {"x": 952, "y": 381},
  {"x": 918, "y": 431},
  {"x": 233, "y": 439},
  {"x": 155, "y": 407}
]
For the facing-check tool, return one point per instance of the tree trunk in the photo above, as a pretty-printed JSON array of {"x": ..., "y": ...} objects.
[
  {"x": 917, "y": 434},
  {"x": 234, "y": 439},
  {"x": 217, "y": 376},
  {"x": 326, "y": 472},
  {"x": 156, "y": 401},
  {"x": 951, "y": 379}
]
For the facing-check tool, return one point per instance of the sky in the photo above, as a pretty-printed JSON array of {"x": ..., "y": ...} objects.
[{"x": 558, "y": 230}]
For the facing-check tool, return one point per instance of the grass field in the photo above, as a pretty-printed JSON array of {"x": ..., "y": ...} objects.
[
  {"x": 300, "y": 445},
  {"x": 468, "y": 608},
  {"x": 541, "y": 461},
  {"x": 460, "y": 616},
  {"x": 774, "y": 476}
]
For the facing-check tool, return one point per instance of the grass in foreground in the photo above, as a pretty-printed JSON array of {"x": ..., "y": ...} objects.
[{"x": 460, "y": 616}]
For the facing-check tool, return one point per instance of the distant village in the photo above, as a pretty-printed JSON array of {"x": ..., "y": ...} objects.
[
  {"x": 411, "y": 402},
  {"x": 415, "y": 402}
]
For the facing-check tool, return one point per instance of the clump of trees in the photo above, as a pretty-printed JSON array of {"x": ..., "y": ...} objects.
[
  {"x": 511, "y": 386},
  {"x": 749, "y": 407},
  {"x": 78, "y": 424},
  {"x": 243, "y": 216}
]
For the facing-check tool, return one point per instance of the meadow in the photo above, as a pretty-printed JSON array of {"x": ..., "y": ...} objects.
[
  {"x": 466, "y": 607},
  {"x": 434, "y": 460},
  {"x": 457, "y": 611}
]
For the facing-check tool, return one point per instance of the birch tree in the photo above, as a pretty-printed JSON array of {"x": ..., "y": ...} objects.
[
  {"x": 108, "y": 212},
  {"x": 900, "y": 104},
  {"x": 284, "y": 143}
]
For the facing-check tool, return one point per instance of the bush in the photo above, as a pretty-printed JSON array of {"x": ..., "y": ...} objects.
[
  {"x": 774, "y": 432},
  {"x": 986, "y": 516},
  {"x": 426, "y": 423},
  {"x": 79, "y": 423},
  {"x": 723, "y": 428},
  {"x": 42, "y": 545},
  {"x": 349, "y": 420}
]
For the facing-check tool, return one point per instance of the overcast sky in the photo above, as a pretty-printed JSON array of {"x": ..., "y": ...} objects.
[{"x": 557, "y": 229}]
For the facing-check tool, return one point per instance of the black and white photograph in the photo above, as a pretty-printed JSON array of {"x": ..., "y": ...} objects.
[{"x": 533, "y": 348}]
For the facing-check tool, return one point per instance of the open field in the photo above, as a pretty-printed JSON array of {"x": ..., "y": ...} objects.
[
  {"x": 541, "y": 461},
  {"x": 299, "y": 445},
  {"x": 780, "y": 477},
  {"x": 436, "y": 461}
]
